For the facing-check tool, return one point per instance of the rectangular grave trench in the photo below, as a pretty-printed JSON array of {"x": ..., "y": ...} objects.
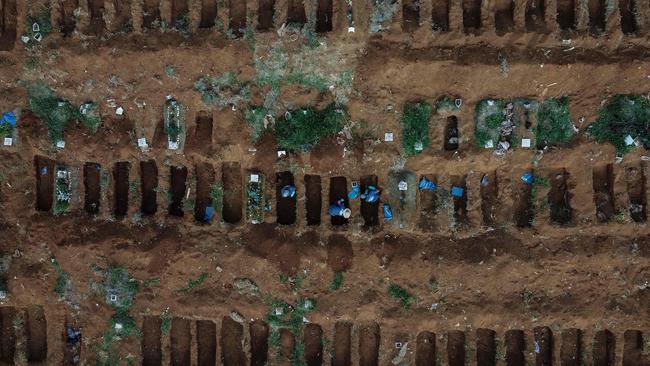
[
  {"x": 149, "y": 187},
  {"x": 456, "y": 348},
  {"x": 314, "y": 200},
  {"x": 410, "y": 15},
  {"x": 312, "y": 339},
  {"x": 178, "y": 188},
  {"x": 296, "y": 12},
  {"x": 286, "y": 206},
  {"x": 150, "y": 13},
  {"x": 237, "y": 17},
  {"x": 36, "y": 335},
  {"x": 451, "y": 134},
  {"x": 460, "y": 203},
  {"x": 635, "y": 178},
  {"x": 265, "y": 14},
  {"x": 68, "y": 20},
  {"x": 7, "y": 334},
  {"x": 121, "y": 192},
  {"x": 628, "y": 9},
  {"x": 369, "y": 340},
  {"x": 515, "y": 348},
  {"x": 232, "y": 352},
  {"x": 559, "y": 196},
  {"x": 596, "y": 16},
  {"x": 324, "y": 16},
  {"x": 179, "y": 10},
  {"x": 259, "y": 333},
  {"x": 440, "y": 15},
  {"x": 489, "y": 197},
  {"x": 604, "y": 346},
  {"x": 203, "y": 131},
  {"x": 233, "y": 192},
  {"x": 339, "y": 192},
  {"x": 342, "y": 353},
  {"x": 44, "y": 183},
  {"x": 428, "y": 203},
  {"x": 151, "y": 341},
  {"x": 205, "y": 177},
  {"x": 96, "y": 16},
  {"x": 208, "y": 14},
  {"x": 181, "y": 342},
  {"x": 206, "y": 342},
  {"x": 603, "y": 183},
  {"x": 92, "y": 187},
  {"x": 485, "y": 347},
  {"x": 369, "y": 210},
  {"x": 504, "y": 11},
  {"x": 425, "y": 349},
  {"x": 534, "y": 15},
  {"x": 524, "y": 210},
  {"x": 471, "y": 16},
  {"x": 8, "y": 16},
  {"x": 566, "y": 14}
]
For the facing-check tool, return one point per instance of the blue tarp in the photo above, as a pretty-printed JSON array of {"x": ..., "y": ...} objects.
[
  {"x": 10, "y": 118},
  {"x": 457, "y": 191}
]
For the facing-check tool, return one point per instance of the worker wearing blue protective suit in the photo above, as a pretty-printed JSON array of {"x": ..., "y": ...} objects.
[
  {"x": 371, "y": 195},
  {"x": 288, "y": 191}
]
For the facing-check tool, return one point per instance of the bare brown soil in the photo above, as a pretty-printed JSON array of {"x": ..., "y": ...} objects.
[{"x": 564, "y": 266}]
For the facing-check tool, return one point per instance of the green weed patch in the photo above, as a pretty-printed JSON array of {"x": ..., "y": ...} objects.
[
  {"x": 302, "y": 129},
  {"x": 621, "y": 116},
  {"x": 554, "y": 124},
  {"x": 415, "y": 127}
]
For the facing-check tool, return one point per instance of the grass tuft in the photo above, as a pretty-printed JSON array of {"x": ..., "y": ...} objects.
[
  {"x": 415, "y": 123},
  {"x": 621, "y": 116},
  {"x": 399, "y": 293},
  {"x": 56, "y": 112},
  {"x": 554, "y": 124},
  {"x": 302, "y": 129}
]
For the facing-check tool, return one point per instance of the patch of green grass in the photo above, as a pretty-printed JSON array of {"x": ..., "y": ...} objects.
[
  {"x": 302, "y": 129},
  {"x": 337, "y": 281},
  {"x": 116, "y": 281},
  {"x": 44, "y": 25},
  {"x": 165, "y": 322},
  {"x": 494, "y": 120},
  {"x": 554, "y": 124},
  {"x": 382, "y": 14},
  {"x": 538, "y": 205},
  {"x": 6, "y": 129},
  {"x": 415, "y": 127},
  {"x": 255, "y": 117},
  {"x": 223, "y": 90},
  {"x": 401, "y": 294},
  {"x": 216, "y": 193},
  {"x": 62, "y": 278},
  {"x": 192, "y": 284},
  {"x": 308, "y": 81},
  {"x": 56, "y": 112},
  {"x": 290, "y": 318},
  {"x": 122, "y": 326},
  {"x": 621, "y": 116}
]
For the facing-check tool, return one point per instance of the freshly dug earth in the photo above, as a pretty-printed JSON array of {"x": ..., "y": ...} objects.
[{"x": 499, "y": 274}]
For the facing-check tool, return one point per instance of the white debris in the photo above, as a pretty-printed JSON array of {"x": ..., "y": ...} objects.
[
  {"x": 60, "y": 144},
  {"x": 629, "y": 140},
  {"x": 255, "y": 178},
  {"x": 525, "y": 143},
  {"x": 350, "y": 29},
  {"x": 388, "y": 136},
  {"x": 489, "y": 144},
  {"x": 8, "y": 141},
  {"x": 119, "y": 111},
  {"x": 142, "y": 143},
  {"x": 172, "y": 145}
]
